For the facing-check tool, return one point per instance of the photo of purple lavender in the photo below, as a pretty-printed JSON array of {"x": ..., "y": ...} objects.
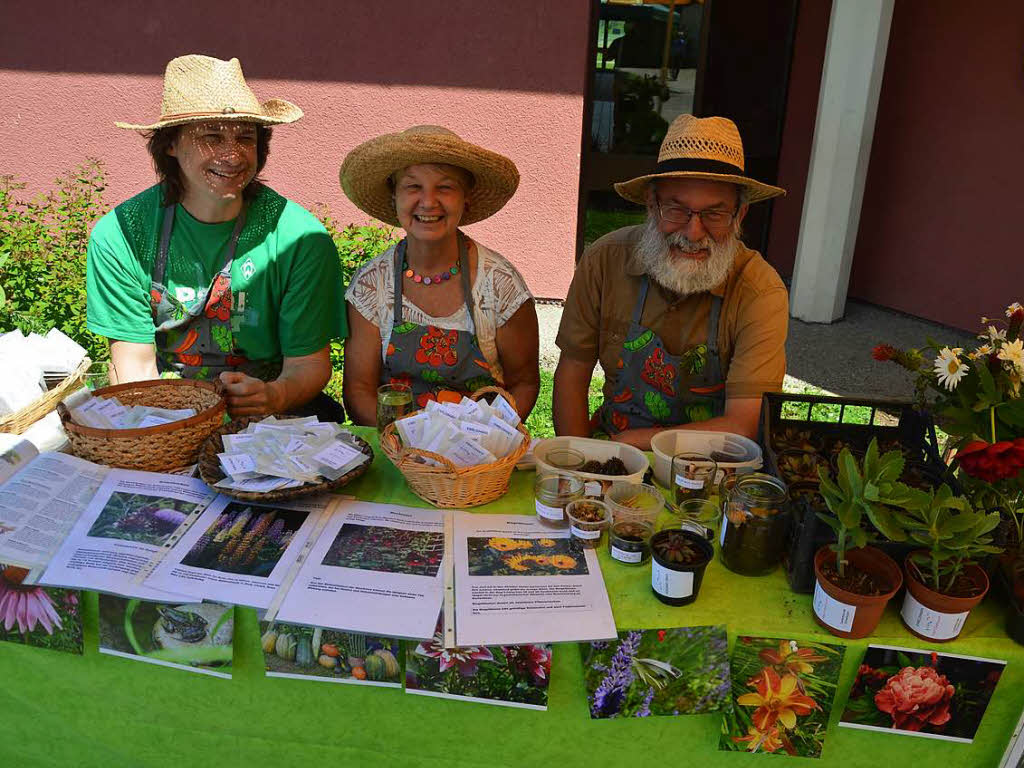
[
  {"x": 681, "y": 671},
  {"x": 140, "y": 517},
  {"x": 246, "y": 538}
]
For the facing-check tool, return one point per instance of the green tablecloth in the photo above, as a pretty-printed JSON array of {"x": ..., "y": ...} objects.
[{"x": 98, "y": 710}]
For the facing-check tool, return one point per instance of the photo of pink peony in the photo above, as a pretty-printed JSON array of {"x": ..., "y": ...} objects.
[
  {"x": 921, "y": 693},
  {"x": 40, "y": 616}
]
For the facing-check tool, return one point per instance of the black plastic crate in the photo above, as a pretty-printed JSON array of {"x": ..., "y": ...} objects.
[{"x": 854, "y": 421}]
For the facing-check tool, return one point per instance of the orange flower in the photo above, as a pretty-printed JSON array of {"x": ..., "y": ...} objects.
[
  {"x": 766, "y": 741},
  {"x": 792, "y": 659},
  {"x": 518, "y": 562},
  {"x": 502, "y": 545},
  {"x": 542, "y": 559},
  {"x": 778, "y": 700},
  {"x": 563, "y": 561}
]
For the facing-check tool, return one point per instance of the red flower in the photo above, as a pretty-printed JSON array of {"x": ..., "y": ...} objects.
[
  {"x": 154, "y": 296},
  {"x": 916, "y": 698},
  {"x": 219, "y": 302},
  {"x": 992, "y": 461},
  {"x": 658, "y": 373},
  {"x": 884, "y": 352},
  {"x": 529, "y": 660},
  {"x": 437, "y": 347},
  {"x": 661, "y": 635}
]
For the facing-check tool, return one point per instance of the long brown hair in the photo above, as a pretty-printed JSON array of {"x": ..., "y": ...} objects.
[{"x": 169, "y": 172}]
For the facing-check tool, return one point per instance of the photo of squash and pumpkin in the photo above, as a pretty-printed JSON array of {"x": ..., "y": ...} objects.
[{"x": 290, "y": 650}]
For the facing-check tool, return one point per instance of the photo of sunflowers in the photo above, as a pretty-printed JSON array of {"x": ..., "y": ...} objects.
[
  {"x": 782, "y": 692},
  {"x": 246, "y": 539},
  {"x": 497, "y": 556},
  {"x": 44, "y": 617}
]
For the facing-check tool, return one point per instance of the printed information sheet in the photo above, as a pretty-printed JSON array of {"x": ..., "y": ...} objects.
[
  {"x": 129, "y": 521},
  {"x": 41, "y": 497},
  {"x": 238, "y": 552},
  {"x": 517, "y": 581},
  {"x": 375, "y": 569}
]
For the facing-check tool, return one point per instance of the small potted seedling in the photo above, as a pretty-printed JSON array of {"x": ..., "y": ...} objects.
[
  {"x": 680, "y": 557},
  {"x": 944, "y": 581}
]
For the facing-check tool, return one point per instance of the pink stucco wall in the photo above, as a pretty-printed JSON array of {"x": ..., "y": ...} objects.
[{"x": 506, "y": 75}]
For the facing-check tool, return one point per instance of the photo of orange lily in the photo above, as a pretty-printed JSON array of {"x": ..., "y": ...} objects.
[{"x": 782, "y": 693}]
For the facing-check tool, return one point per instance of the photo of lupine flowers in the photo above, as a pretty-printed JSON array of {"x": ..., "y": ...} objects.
[
  {"x": 43, "y": 617},
  {"x": 782, "y": 692},
  {"x": 508, "y": 675},
  {"x": 140, "y": 517},
  {"x": 290, "y": 650},
  {"x": 682, "y": 671},
  {"x": 245, "y": 539},
  {"x": 921, "y": 693},
  {"x": 391, "y": 550},
  {"x": 198, "y": 637},
  {"x": 524, "y": 557}
]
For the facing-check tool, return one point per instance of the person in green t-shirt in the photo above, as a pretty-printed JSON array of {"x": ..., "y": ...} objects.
[{"x": 210, "y": 273}]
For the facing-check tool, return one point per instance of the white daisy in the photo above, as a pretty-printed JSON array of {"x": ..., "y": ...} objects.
[
  {"x": 1013, "y": 353},
  {"x": 949, "y": 368},
  {"x": 994, "y": 334},
  {"x": 1013, "y": 308}
]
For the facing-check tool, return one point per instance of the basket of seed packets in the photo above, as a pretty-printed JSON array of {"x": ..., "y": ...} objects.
[
  {"x": 282, "y": 457},
  {"x": 156, "y": 425},
  {"x": 459, "y": 454}
]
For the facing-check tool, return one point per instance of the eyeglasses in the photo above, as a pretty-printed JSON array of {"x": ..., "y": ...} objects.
[{"x": 713, "y": 219}]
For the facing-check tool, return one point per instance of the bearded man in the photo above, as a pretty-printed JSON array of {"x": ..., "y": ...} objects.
[{"x": 688, "y": 324}]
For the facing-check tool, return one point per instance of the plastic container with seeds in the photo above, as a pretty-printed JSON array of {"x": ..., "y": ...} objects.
[
  {"x": 754, "y": 525},
  {"x": 693, "y": 476},
  {"x": 641, "y": 502},
  {"x": 588, "y": 520},
  {"x": 552, "y": 493},
  {"x": 629, "y": 541}
]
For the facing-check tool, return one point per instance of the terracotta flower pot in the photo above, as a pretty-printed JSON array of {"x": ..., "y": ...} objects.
[
  {"x": 848, "y": 614},
  {"x": 934, "y": 616}
]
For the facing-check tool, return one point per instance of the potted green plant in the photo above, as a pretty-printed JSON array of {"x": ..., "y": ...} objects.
[
  {"x": 680, "y": 557},
  {"x": 944, "y": 581},
  {"x": 854, "y": 581}
]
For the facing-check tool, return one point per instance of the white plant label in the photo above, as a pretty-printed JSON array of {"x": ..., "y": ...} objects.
[
  {"x": 592, "y": 488},
  {"x": 626, "y": 557},
  {"x": 671, "y": 583},
  {"x": 834, "y": 613},
  {"x": 549, "y": 513},
  {"x": 579, "y": 533},
  {"x": 930, "y": 623},
  {"x": 693, "y": 483}
]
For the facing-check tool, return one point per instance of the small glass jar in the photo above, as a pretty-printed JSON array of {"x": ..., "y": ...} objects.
[
  {"x": 633, "y": 501},
  {"x": 552, "y": 493},
  {"x": 700, "y": 516},
  {"x": 629, "y": 541},
  {"x": 564, "y": 459},
  {"x": 693, "y": 476},
  {"x": 588, "y": 520},
  {"x": 753, "y": 537}
]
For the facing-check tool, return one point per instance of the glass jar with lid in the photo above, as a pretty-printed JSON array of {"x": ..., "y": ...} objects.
[
  {"x": 754, "y": 524},
  {"x": 552, "y": 493}
]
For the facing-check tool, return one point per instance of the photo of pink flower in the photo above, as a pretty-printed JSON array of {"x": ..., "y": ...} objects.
[{"x": 39, "y": 616}]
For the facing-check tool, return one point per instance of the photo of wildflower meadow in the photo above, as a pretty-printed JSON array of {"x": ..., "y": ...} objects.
[
  {"x": 524, "y": 557},
  {"x": 246, "y": 539},
  {"x": 682, "y": 671},
  {"x": 782, "y": 692},
  {"x": 509, "y": 675},
  {"x": 198, "y": 637},
  {"x": 43, "y": 617},
  {"x": 921, "y": 693},
  {"x": 140, "y": 517},
  {"x": 391, "y": 550},
  {"x": 315, "y": 653}
]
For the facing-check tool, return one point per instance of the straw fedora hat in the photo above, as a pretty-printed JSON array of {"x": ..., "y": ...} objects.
[
  {"x": 365, "y": 172},
  {"x": 204, "y": 88},
  {"x": 700, "y": 148}
]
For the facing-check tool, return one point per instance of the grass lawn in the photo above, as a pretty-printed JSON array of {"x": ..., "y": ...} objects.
[
  {"x": 600, "y": 223},
  {"x": 540, "y": 424}
]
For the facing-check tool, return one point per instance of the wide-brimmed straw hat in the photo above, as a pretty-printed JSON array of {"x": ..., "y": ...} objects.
[
  {"x": 365, "y": 172},
  {"x": 700, "y": 148},
  {"x": 204, "y": 88}
]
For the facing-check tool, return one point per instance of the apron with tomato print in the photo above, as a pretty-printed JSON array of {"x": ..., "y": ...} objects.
[
  {"x": 198, "y": 343},
  {"x": 430, "y": 359},
  {"x": 657, "y": 389}
]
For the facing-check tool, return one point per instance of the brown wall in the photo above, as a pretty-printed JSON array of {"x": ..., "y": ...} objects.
[{"x": 940, "y": 225}]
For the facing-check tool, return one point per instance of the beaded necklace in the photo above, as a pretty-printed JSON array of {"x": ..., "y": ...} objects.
[{"x": 435, "y": 279}]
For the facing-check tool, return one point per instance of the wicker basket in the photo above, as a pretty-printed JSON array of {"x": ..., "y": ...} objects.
[
  {"x": 21, "y": 420},
  {"x": 153, "y": 449},
  {"x": 450, "y": 486},
  {"x": 212, "y": 473}
]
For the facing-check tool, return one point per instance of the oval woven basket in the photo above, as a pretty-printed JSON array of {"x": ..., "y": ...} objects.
[
  {"x": 24, "y": 418},
  {"x": 447, "y": 485},
  {"x": 211, "y": 472},
  {"x": 153, "y": 449}
]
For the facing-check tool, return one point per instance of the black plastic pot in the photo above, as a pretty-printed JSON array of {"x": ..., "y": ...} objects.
[{"x": 676, "y": 583}]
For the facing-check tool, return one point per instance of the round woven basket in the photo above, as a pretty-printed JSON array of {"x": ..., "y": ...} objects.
[
  {"x": 212, "y": 473},
  {"x": 24, "y": 418},
  {"x": 153, "y": 449},
  {"x": 447, "y": 485}
]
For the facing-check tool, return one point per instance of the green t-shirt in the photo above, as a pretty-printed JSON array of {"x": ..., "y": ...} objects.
[{"x": 285, "y": 264}]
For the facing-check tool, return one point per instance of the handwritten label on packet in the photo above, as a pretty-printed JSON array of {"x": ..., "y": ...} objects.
[
  {"x": 234, "y": 442},
  {"x": 336, "y": 455},
  {"x": 506, "y": 411},
  {"x": 834, "y": 613},
  {"x": 412, "y": 428},
  {"x": 236, "y": 463},
  {"x": 468, "y": 453},
  {"x": 471, "y": 409}
]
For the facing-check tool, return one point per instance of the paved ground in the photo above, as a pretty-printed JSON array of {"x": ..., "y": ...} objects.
[{"x": 835, "y": 358}]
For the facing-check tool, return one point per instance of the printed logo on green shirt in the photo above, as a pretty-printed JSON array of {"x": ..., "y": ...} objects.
[{"x": 248, "y": 269}]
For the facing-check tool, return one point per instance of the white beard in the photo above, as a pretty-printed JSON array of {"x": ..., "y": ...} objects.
[{"x": 679, "y": 274}]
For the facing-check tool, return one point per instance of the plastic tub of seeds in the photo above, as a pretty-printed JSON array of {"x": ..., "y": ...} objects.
[
  {"x": 733, "y": 453},
  {"x": 629, "y": 542},
  {"x": 604, "y": 462},
  {"x": 635, "y": 502},
  {"x": 588, "y": 520}
]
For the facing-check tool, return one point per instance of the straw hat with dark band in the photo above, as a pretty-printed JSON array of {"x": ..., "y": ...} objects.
[
  {"x": 700, "y": 148},
  {"x": 367, "y": 168},
  {"x": 200, "y": 88}
]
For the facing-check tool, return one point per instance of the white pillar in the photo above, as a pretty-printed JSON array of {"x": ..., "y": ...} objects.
[{"x": 858, "y": 36}]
